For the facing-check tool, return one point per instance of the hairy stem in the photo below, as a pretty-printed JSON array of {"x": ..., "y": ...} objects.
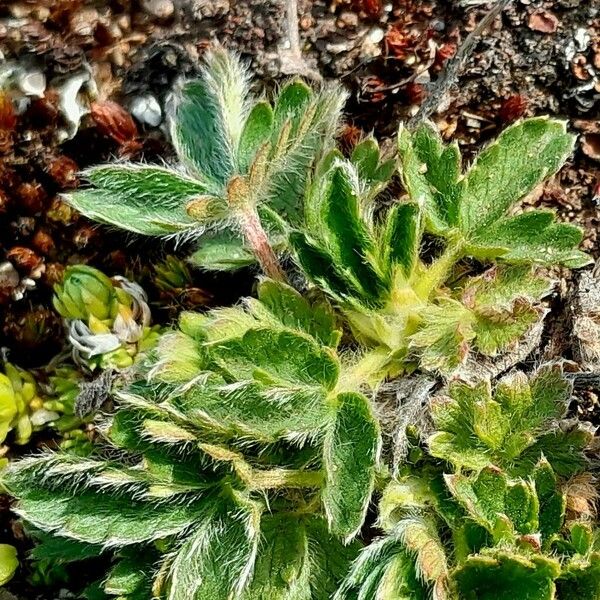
[
  {"x": 439, "y": 270},
  {"x": 285, "y": 478},
  {"x": 257, "y": 240}
]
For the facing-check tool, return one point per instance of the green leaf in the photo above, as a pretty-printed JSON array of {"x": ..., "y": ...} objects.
[
  {"x": 283, "y": 564},
  {"x": 401, "y": 239},
  {"x": 496, "y": 329},
  {"x": 144, "y": 199},
  {"x": 217, "y": 559},
  {"x": 291, "y": 102},
  {"x": 580, "y": 580},
  {"x": 257, "y": 131},
  {"x": 524, "y": 155},
  {"x": 330, "y": 559},
  {"x": 348, "y": 236},
  {"x": 442, "y": 170},
  {"x": 483, "y": 497},
  {"x": 582, "y": 537},
  {"x": 397, "y": 566},
  {"x": 365, "y": 156},
  {"x": 522, "y": 507},
  {"x": 502, "y": 575},
  {"x": 293, "y": 310},
  {"x": 279, "y": 357},
  {"x": 443, "y": 339},
  {"x": 305, "y": 124},
  {"x": 222, "y": 251},
  {"x": 60, "y": 549},
  {"x": 351, "y": 452},
  {"x": 209, "y": 118},
  {"x": 321, "y": 268},
  {"x": 510, "y": 430},
  {"x": 530, "y": 237},
  {"x": 413, "y": 173},
  {"x": 9, "y": 563},
  {"x": 553, "y": 502},
  {"x": 131, "y": 577}
]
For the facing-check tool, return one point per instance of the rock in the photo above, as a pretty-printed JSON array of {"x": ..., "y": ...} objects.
[
  {"x": 543, "y": 21},
  {"x": 161, "y": 9},
  {"x": 146, "y": 109}
]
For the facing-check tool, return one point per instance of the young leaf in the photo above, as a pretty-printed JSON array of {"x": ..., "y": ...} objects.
[
  {"x": 347, "y": 235},
  {"x": 206, "y": 126},
  {"x": 351, "y": 452},
  {"x": 553, "y": 502},
  {"x": 296, "y": 312},
  {"x": 413, "y": 172},
  {"x": 400, "y": 241},
  {"x": 222, "y": 251},
  {"x": 473, "y": 425},
  {"x": 257, "y": 130}
]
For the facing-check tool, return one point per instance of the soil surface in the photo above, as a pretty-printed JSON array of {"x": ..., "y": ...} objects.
[{"x": 83, "y": 82}]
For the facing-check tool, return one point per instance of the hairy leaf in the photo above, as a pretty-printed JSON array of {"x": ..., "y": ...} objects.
[
  {"x": 522, "y": 156},
  {"x": 351, "y": 453}
]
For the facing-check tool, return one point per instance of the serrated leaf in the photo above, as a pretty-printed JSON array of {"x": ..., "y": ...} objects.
[
  {"x": 400, "y": 240},
  {"x": 443, "y": 170},
  {"x": 482, "y": 497},
  {"x": 496, "y": 329},
  {"x": 502, "y": 575},
  {"x": 278, "y": 356},
  {"x": 351, "y": 452},
  {"x": 529, "y": 406},
  {"x": 531, "y": 237},
  {"x": 522, "y": 156},
  {"x": 553, "y": 502},
  {"x": 296, "y": 312},
  {"x": 444, "y": 337}
]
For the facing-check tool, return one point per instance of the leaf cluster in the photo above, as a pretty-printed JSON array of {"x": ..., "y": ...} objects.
[
  {"x": 241, "y": 430},
  {"x": 481, "y": 510}
]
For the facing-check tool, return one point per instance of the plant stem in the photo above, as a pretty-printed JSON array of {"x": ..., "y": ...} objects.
[
  {"x": 437, "y": 273},
  {"x": 284, "y": 478},
  {"x": 258, "y": 242}
]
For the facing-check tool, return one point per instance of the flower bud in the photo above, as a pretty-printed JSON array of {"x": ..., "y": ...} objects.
[{"x": 85, "y": 292}]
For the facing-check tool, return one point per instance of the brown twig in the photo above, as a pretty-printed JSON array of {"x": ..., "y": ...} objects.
[
  {"x": 292, "y": 61},
  {"x": 450, "y": 74}
]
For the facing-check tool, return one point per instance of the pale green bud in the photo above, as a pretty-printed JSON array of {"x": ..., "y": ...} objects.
[{"x": 85, "y": 292}]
